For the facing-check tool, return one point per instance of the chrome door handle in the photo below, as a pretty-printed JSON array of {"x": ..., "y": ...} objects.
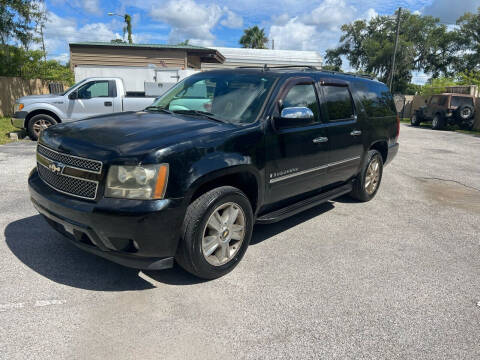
[
  {"x": 320, "y": 139},
  {"x": 356, "y": 133}
]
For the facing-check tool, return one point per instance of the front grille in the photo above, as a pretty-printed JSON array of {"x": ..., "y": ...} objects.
[
  {"x": 69, "y": 185},
  {"x": 70, "y": 160}
]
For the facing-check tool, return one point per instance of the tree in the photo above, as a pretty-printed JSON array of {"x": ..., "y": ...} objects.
[
  {"x": 184, "y": 43},
  {"x": 424, "y": 44},
  {"x": 128, "y": 28},
  {"x": 468, "y": 42},
  {"x": 254, "y": 38}
]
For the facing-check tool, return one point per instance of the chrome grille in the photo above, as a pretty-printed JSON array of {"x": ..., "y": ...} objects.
[
  {"x": 74, "y": 186},
  {"x": 94, "y": 166}
]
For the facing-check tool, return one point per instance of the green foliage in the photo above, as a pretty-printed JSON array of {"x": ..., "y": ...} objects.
[
  {"x": 254, "y": 38},
  {"x": 29, "y": 64},
  {"x": 424, "y": 44},
  {"x": 437, "y": 86},
  {"x": 468, "y": 42},
  {"x": 412, "y": 89},
  {"x": 184, "y": 43},
  {"x": 469, "y": 77},
  {"x": 128, "y": 28},
  {"x": 18, "y": 19}
]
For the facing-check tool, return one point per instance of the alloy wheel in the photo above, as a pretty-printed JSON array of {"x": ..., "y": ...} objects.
[
  {"x": 372, "y": 176},
  {"x": 223, "y": 234},
  {"x": 40, "y": 125}
]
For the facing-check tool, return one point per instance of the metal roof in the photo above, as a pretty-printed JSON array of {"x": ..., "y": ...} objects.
[
  {"x": 152, "y": 46},
  {"x": 270, "y": 57}
]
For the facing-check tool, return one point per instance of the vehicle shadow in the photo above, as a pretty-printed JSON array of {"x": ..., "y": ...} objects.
[
  {"x": 49, "y": 254},
  {"x": 264, "y": 232}
]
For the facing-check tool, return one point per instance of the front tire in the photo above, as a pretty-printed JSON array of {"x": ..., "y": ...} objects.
[
  {"x": 415, "y": 120},
  {"x": 216, "y": 233},
  {"x": 38, "y": 123},
  {"x": 368, "y": 181}
]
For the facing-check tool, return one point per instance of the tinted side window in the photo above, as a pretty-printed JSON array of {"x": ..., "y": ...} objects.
[
  {"x": 302, "y": 95},
  {"x": 93, "y": 89},
  {"x": 339, "y": 102},
  {"x": 375, "y": 97},
  {"x": 459, "y": 101}
]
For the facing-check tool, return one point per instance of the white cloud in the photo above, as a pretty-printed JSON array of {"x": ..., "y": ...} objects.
[
  {"x": 449, "y": 11},
  {"x": 188, "y": 20},
  {"x": 330, "y": 14},
  {"x": 317, "y": 29},
  {"x": 60, "y": 31},
  {"x": 233, "y": 20},
  {"x": 370, "y": 14},
  {"x": 293, "y": 35}
]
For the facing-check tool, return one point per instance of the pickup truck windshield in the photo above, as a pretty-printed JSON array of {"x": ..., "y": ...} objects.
[
  {"x": 71, "y": 87},
  {"x": 230, "y": 97}
]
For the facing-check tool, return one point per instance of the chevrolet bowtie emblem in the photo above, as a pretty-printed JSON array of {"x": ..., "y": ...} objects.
[{"x": 56, "y": 167}]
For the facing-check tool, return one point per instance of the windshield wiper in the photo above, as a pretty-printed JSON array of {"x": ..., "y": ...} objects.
[
  {"x": 198, "y": 112},
  {"x": 158, "y": 108}
]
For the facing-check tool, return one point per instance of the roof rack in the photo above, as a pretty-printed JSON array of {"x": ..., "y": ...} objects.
[
  {"x": 349, "y": 73},
  {"x": 265, "y": 67}
]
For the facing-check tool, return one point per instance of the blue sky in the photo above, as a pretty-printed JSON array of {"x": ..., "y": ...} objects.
[{"x": 293, "y": 24}]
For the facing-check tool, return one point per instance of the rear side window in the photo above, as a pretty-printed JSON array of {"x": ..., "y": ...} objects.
[
  {"x": 460, "y": 100},
  {"x": 338, "y": 102},
  {"x": 375, "y": 97},
  {"x": 302, "y": 95}
]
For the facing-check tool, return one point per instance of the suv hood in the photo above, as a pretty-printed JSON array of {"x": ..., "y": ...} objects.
[{"x": 130, "y": 134}]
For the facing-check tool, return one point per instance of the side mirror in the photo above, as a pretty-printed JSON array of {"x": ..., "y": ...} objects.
[
  {"x": 73, "y": 95},
  {"x": 294, "y": 117}
]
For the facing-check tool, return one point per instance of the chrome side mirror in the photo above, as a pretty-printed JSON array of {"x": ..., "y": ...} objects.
[
  {"x": 292, "y": 117},
  {"x": 298, "y": 112}
]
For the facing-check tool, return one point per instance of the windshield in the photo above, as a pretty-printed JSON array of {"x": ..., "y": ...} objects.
[
  {"x": 231, "y": 97},
  {"x": 71, "y": 87}
]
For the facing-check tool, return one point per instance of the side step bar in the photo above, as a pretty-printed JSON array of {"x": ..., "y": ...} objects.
[{"x": 303, "y": 205}]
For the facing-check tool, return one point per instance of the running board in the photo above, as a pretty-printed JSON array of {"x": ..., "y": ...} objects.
[{"x": 303, "y": 205}]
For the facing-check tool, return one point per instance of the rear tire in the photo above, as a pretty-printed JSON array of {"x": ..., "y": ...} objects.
[
  {"x": 368, "y": 181},
  {"x": 38, "y": 123},
  {"x": 438, "y": 122},
  {"x": 216, "y": 233}
]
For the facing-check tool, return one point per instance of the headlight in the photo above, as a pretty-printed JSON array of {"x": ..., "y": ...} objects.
[
  {"x": 141, "y": 182},
  {"x": 18, "y": 107}
]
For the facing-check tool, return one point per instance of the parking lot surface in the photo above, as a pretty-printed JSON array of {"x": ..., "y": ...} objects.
[{"x": 395, "y": 278}]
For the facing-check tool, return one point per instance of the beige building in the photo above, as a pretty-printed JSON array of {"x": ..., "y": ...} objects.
[{"x": 142, "y": 55}]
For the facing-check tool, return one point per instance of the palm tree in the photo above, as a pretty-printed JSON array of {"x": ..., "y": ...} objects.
[{"x": 254, "y": 38}]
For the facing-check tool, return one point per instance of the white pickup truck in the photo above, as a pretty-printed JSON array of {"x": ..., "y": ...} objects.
[{"x": 87, "y": 98}]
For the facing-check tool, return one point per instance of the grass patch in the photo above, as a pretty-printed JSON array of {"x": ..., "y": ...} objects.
[
  {"x": 5, "y": 128},
  {"x": 454, "y": 128}
]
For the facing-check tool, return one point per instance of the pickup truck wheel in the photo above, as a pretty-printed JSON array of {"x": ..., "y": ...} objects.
[
  {"x": 368, "y": 181},
  {"x": 216, "y": 233},
  {"x": 38, "y": 123},
  {"x": 437, "y": 122}
]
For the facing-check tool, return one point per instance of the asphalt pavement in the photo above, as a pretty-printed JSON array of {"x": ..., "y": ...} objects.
[{"x": 395, "y": 278}]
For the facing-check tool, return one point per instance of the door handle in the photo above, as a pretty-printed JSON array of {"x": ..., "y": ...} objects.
[
  {"x": 320, "y": 139},
  {"x": 356, "y": 133},
  {"x": 107, "y": 103}
]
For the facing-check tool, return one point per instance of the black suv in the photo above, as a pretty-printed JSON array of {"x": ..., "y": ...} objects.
[{"x": 187, "y": 178}]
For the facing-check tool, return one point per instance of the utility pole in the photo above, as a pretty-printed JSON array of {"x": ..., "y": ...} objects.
[
  {"x": 273, "y": 44},
  {"x": 392, "y": 72}
]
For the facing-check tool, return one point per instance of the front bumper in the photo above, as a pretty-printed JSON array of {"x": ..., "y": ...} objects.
[
  {"x": 18, "y": 119},
  {"x": 133, "y": 233}
]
